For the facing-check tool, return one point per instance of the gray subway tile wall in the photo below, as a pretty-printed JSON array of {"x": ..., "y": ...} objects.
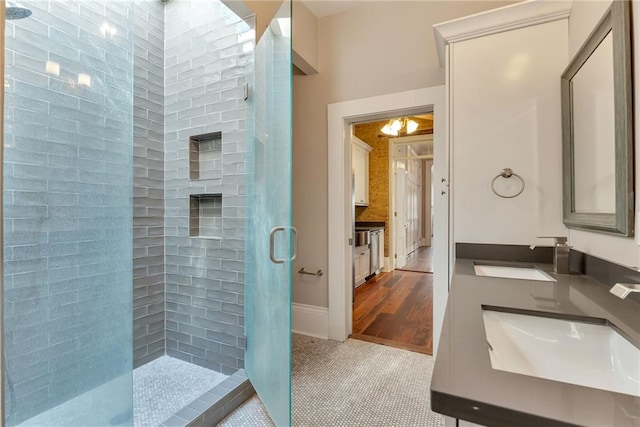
[
  {"x": 68, "y": 147},
  {"x": 205, "y": 63},
  {"x": 148, "y": 181},
  {"x": 76, "y": 158}
]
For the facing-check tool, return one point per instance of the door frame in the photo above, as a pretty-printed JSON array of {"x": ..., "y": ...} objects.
[
  {"x": 392, "y": 187},
  {"x": 393, "y": 219},
  {"x": 340, "y": 217}
]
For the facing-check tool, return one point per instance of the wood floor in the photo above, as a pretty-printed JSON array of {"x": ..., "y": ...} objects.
[
  {"x": 420, "y": 260},
  {"x": 395, "y": 309}
]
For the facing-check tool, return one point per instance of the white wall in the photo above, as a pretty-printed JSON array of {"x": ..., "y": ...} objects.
[
  {"x": 506, "y": 114},
  {"x": 372, "y": 49},
  {"x": 584, "y": 17}
]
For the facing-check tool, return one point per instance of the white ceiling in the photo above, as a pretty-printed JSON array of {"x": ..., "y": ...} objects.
[{"x": 322, "y": 8}]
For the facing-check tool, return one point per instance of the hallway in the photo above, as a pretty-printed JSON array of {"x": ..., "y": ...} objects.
[
  {"x": 420, "y": 261},
  {"x": 395, "y": 309}
]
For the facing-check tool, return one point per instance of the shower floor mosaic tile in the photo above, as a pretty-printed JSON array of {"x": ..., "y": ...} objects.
[
  {"x": 161, "y": 388},
  {"x": 165, "y": 385},
  {"x": 351, "y": 384}
]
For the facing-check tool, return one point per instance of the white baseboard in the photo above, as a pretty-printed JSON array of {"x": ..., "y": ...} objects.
[{"x": 310, "y": 320}]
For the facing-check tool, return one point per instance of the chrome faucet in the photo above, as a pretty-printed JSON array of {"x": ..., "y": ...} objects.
[
  {"x": 622, "y": 290},
  {"x": 560, "y": 253}
]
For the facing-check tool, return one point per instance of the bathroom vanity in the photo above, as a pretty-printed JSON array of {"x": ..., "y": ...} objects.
[
  {"x": 465, "y": 386},
  {"x": 544, "y": 349}
]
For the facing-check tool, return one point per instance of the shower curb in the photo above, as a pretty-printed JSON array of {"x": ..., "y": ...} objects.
[{"x": 211, "y": 408}]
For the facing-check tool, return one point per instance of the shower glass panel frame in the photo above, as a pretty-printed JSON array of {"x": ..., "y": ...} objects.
[
  {"x": 67, "y": 214},
  {"x": 77, "y": 124}
]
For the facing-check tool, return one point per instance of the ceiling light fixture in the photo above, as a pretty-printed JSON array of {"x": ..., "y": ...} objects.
[{"x": 394, "y": 126}]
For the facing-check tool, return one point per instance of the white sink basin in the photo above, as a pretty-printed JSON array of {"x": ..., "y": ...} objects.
[
  {"x": 585, "y": 354},
  {"x": 526, "y": 273}
]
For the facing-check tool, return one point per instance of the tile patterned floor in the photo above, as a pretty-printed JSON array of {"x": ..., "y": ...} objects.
[
  {"x": 252, "y": 413},
  {"x": 165, "y": 385},
  {"x": 352, "y": 384}
]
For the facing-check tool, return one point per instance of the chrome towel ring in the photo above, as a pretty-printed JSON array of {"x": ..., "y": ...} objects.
[{"x": 507, "y": 173}]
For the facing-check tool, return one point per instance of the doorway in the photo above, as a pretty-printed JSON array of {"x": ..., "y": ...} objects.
[
  {"x": 340, "y": 117},
  {"x": 393, "y": 307},
  {"x": 412, "y": 177}
]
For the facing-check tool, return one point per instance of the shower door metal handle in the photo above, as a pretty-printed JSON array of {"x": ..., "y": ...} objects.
[
  {"x": 272, "y": 246},
  {"x": 294, "y": 242}
]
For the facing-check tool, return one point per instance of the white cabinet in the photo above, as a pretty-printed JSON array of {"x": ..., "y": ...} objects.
[
  {"x": 357, "y": 273},
  {"x": 381, "y": 250},
  {"x": 360, "y": 164},
  {"x": 362, "y": 263}
]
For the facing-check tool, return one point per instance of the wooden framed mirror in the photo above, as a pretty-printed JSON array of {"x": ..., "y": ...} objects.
[{"x": 597, "y": 128}]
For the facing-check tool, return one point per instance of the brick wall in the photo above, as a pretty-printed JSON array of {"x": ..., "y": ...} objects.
[{"x": 378, "y": 209}]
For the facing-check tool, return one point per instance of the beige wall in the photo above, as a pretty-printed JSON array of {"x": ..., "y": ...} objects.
[
  {"x": 304, "y": 32},
  {"x": 584, "y": 17},
  {"x": 304, "y": 27},
  {"x": 264, "y": 11},
  {"x": 373, "y": 49}
]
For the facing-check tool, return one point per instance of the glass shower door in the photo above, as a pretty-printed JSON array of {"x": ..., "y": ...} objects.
[{"x": 270, "y": 239}]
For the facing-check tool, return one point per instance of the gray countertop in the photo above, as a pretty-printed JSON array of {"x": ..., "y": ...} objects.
[
  {"x": 465, "y": 386},
  {"x": 369, "y": 228},
  {"x": 369, "y": 225}
]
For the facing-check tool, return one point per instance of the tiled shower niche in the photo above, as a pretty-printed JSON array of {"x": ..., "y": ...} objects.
[
  {"x": 205, "y": 216},
  {"x": 205, "y": 156}
]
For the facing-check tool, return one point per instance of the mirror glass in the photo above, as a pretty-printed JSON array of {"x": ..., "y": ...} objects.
[
  {"x": 594, "y": 132},
  {"x": 597, "y": 129}
]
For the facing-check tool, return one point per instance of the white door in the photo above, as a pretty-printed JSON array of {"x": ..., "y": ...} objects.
[
  {"x": 414, "y": 200},
  {"x": 400, "y": 214}
]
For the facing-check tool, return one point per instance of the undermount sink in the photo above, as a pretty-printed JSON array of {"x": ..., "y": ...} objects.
[
  {"x": 511, "y": 272},
  {"x": 586, "y": 354}
]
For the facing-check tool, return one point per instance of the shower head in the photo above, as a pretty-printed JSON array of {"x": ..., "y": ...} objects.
[{"x": 16, "y": 11}]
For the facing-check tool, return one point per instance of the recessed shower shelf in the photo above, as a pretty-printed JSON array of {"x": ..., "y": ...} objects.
[
  {"x": 205, "y": 216},
  {"x": 205, "y": 156}
]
